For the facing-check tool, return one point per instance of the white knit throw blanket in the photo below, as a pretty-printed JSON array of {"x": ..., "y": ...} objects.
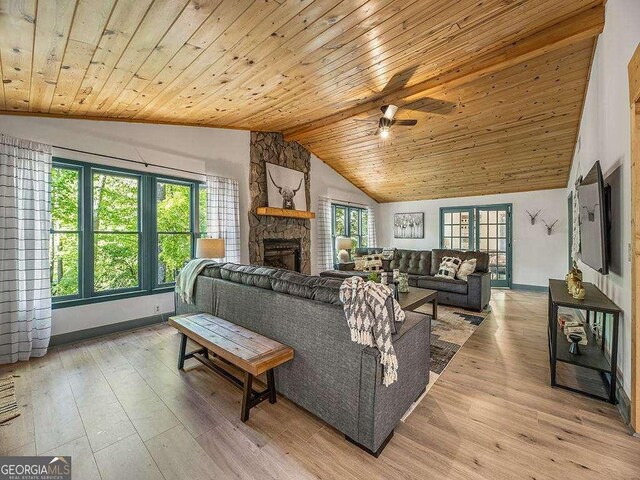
[
  {"x": 188, "y": 275},
  {"x": 368, "y": 318}
]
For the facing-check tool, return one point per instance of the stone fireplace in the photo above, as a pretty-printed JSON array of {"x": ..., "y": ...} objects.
[
  {"x": 271, "y": 238},
  {"x": 280, "y": 253}
]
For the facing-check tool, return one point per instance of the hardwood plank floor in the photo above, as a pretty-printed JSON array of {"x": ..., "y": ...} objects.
[{"x": 120, "y": 407}]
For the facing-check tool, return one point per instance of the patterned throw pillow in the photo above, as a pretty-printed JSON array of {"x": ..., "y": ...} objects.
[
  {"x": 360, "y": 263},
  {"x": 448, "y": 267},
  {"x": 388, "y": 253},
  {"x": 373, "y": 263},
  {"x": 467, "y": 268}
]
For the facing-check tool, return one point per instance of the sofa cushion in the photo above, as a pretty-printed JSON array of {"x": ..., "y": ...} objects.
[
  {"x": 443, "y": 284},
  {"x": 248, "y": 275},
  {"x": 482, "y": 258},
  {"x": 448, "y": 267},
  {"x": 325, "y": 290},
  {"x": 416, "y": 262},
  {"x": 213, "y": 271}
]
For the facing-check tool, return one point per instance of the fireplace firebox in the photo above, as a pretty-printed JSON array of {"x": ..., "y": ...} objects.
[{"x": 281, "y": 253}]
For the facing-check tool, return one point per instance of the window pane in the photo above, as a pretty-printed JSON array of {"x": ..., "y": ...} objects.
[
  {"x": 115, "y": 203},
  {"x": 174, "y": 207},
  {"x": 173, "y": 251},
  {"x": 202, "y": 208},
  {"x": 447, "y": 218},
  {"x": 355, "y": 243},
  {"x": 64, "y": 264},
  {"x": 64, "y": 198},
  {"x": 340, "y": 224},
  {"x": 354, "y": 222},
  {"x": 115, "y": 261}
]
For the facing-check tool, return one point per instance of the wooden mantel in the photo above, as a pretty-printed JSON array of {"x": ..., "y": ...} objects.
[{"x": 283, "y": 212}]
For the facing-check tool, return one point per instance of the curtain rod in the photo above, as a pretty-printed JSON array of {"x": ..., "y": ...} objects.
[
  {"x": 349, "y": 203},
  {"x": 139, "y": 162}
]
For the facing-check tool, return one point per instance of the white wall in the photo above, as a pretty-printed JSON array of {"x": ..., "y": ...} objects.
[
  {"x": 326, "y": 182},
  {"x": 536, "y": 255},
  {"x": 605, "y": 135},
  {"x": 203, "y": 150}
]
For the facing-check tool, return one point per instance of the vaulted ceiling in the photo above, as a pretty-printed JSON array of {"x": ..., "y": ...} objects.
[{"x": 497, "y": 86}]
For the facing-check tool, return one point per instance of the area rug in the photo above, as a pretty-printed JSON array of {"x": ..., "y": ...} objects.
[
  {"x": 8, "y": 404},
  {"x": 449, "y": 332}
]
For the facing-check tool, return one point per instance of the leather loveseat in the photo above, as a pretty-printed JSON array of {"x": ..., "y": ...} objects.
[{"x": 422, "y": 266}]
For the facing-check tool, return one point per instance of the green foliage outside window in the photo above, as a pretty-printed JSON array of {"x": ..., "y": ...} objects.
[
  {"x": 120, "y": 211},
  {"x": 174, "y": 227}
]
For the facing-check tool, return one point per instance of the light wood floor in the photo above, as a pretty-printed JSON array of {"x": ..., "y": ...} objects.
[{"x": 120, "y": 407}]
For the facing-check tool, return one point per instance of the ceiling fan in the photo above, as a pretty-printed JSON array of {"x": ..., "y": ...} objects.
[{"x": 387, "y": 121}]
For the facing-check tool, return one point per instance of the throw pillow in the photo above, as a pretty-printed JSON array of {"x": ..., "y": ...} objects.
[
  {"x": 467, "y": 268},
  {"x": 373, "y": 263},
  {"x": 388, "y": 253},
  {"x": 359, "y": 263},
  {"x": 448, "y": 267}
]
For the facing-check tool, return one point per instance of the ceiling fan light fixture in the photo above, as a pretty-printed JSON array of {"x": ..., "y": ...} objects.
[{"x": 384, "y": 125}]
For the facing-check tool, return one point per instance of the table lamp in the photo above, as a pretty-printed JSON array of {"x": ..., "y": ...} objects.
[
  {"x": 343, "y": 244},
  {"x": 210, "y": 248}
]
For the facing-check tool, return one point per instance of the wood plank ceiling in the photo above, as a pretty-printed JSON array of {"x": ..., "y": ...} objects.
[{"x": 497, "y": 85}]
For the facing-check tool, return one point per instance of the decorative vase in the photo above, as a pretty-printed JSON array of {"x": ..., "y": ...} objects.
[
  {"x": 403, "y": 283},
  {"x": 574, "y": 349}
]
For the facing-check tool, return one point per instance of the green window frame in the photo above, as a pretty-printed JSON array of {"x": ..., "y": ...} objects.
[
  {"x": 354, "y": 225},
  {"x": 146, "y": 230}
]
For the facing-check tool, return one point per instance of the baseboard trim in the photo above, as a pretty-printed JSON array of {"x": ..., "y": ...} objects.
[
  {"x": 529, "y": 288},
  {"x": 79, "y": 335}
]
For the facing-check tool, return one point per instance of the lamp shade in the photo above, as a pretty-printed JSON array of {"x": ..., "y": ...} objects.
[
  {"x": 343, "y": 243},
  {"x": 210, "y": 248}
]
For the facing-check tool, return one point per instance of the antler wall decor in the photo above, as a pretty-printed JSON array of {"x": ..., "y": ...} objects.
[
  {"x": 549, "y": 227},
  {"x": 591, "y": 212},
  {"x": 533, "y": 217}
]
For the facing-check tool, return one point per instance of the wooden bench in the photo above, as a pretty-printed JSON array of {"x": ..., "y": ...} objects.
[{"x": 251, "y": 352}]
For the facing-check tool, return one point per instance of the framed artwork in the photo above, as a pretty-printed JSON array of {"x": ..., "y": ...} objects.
[
  {"x": 408, "y": 225},
  {"x": 285, "y": 188}
]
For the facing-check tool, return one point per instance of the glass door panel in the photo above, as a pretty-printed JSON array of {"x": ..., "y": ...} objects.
[
  {"x": 457, "y": 228},
  {"x": 494, "y": 238}
]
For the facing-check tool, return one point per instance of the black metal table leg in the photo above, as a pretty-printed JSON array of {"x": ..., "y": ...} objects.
[
  {"x": 183, "y": 351},
  {"x": 614, "y": 359},
  {"x": 553, "y": 324},
  {"x": 271, "y": 386},
  {"x": 435, "y": 308},
  {"x": 246, "y": 396}
]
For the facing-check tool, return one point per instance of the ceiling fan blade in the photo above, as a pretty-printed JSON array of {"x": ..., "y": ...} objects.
[
  {"x": 389, "y": 111},
  {"x": 405, "y": 123}
]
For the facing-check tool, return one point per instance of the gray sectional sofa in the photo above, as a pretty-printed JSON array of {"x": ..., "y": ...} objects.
[
  {"x": 332, "y": 377},
  {"x": 422, "y": 266}
]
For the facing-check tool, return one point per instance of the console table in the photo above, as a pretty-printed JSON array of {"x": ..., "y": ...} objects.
[{"x": 592, "y": 355}]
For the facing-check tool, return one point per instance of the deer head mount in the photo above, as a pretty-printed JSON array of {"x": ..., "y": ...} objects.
[
  {"x": 591, "y": 212},
  {"x": 533, "y": 217},
  {"x": 287, "y": 193},
  {"x": 549, "y": 227}
]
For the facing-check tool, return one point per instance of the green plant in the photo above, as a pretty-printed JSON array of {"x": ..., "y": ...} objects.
[{"x": 374, "y": 277}]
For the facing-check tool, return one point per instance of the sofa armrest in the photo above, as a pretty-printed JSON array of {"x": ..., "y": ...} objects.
[
  {"x": 347, "y": 266},
  {"x": 479, "y": 292},
  {"x": 381, "y": 408}
]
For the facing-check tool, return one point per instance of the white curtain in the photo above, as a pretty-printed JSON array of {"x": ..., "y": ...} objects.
[
  {"x": 372, "y": 240},
  {"x": 223, "y": 214},
  {"x": 25, "y": 287},
  {"x": 323, "y": 233}
]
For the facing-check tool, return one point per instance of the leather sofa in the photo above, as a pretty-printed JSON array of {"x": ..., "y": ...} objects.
[
  {"x": 332, "y": 377},
  {"x": 422, "y": 266}
]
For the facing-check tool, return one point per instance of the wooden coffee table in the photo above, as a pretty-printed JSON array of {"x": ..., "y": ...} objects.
[{"x": 416, "y": 297}]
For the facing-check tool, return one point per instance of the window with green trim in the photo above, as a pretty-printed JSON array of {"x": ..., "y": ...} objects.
[
  {"x": 119, "y": 233},
  {"x": 348, "y": 221}
]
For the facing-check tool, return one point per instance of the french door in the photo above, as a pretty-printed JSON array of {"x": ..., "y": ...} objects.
[{"x": 485, "y": 228}]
